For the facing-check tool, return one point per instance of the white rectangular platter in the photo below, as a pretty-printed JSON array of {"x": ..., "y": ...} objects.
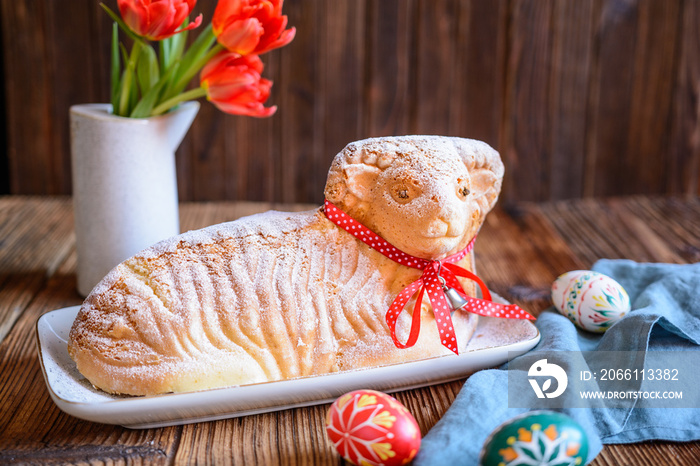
[{"x": 490, "y": 346}]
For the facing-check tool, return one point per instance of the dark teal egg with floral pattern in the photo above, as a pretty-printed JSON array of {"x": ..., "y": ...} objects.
[{"x": 537, "y": 438}]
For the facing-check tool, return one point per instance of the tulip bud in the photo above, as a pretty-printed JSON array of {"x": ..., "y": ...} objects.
[
  {"x": 233, "y": 83},
  {"x": 251, "y": 27},
  {"x": 157, "y": 19}
]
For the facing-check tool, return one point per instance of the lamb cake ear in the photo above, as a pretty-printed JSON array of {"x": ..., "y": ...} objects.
[
  {"x": 360, "y": 178},
  {"x": 485, "y": 170},
  {"x": 486, "y": 186}
]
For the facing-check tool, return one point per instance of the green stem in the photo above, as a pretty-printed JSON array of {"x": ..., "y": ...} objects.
[
  {"x": 185, "y": 96},
  {"x": 128, "y": 75},
  {"x": 120, "y": 22}
]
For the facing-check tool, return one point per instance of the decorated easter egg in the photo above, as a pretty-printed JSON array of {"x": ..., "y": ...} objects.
[
  {"x": 372, "y": 428},
  {"x": 543, "y": 438},
  {"x": 591, "y": 300}
]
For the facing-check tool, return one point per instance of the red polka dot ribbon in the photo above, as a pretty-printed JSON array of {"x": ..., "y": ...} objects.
[{"x": 429, "y": 282}]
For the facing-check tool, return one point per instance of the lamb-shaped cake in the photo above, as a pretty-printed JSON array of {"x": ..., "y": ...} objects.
[{"x": 280, "y": 295}]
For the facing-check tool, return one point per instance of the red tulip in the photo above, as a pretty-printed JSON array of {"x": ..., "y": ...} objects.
[
  {"x": 251, "y": 26},
  {"x": 233, "y": 83},
  {"x": 157, "y": 19}
]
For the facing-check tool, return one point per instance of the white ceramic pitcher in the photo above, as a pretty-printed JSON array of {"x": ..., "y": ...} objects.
[{"x": 124, "y": 184}]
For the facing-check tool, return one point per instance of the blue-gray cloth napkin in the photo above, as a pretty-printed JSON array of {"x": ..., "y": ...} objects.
[{"x": 665, "y": 316}]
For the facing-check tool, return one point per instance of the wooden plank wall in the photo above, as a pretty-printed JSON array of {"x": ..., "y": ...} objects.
[{"x": 584, "y": 98}]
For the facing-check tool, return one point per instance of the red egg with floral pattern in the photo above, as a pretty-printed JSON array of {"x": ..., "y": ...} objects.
[{"x": 372, "y": 428}]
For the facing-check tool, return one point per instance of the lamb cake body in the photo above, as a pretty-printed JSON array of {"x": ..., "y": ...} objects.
[{"x": 281, "y": 295}]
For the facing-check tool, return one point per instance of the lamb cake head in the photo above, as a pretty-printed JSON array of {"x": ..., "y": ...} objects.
[
  {"x": 278, "y": 295},
  {"x": 426, "y": 195}
]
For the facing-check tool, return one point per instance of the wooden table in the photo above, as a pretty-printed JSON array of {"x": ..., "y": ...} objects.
[{"x": 519, "y": 252}]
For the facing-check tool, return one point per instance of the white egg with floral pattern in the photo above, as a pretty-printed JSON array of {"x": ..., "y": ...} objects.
[{"x": 591, "y": 300}]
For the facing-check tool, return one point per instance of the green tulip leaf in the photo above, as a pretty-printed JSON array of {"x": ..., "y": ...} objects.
[
  {"x": 129, "y": 91},
  {"x": 144, "y": 108},
  {"x": 147, "y": 69},
  {"x": 193, "y": 60},
  {"x": 178, "y": 43},
  {"x": 164, "y": 53},
  {"x": 115, "y": 67}
]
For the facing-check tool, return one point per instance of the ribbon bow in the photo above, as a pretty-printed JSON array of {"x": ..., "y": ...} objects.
[{"x": 436, "y": 274}]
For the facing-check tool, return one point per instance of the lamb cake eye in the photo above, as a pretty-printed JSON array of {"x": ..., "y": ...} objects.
[
  {"x": 403, "y": 193},
  {"x": 462, "y": 190}
]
